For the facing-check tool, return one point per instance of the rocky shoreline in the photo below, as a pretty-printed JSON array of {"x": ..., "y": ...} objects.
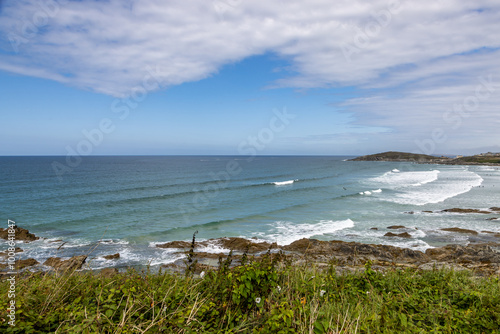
[{"x": 482, "y": 258}]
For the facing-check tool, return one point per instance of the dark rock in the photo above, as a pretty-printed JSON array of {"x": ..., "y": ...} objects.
[
  {"x": 374, "y": 228},
  {"x": 492, "y": 218},
  {"x": 21, "y": 234},
  {"x": 497, "y": 209},
  {"x": 400, "y": 235},
  {"x": 395, "y": 227},
  {"x": 458, "y": 210},
  {"x": 112, "y": 256},
  {"x": 108, "y": 272},
  {"x": 175, "y": 244},
  {"x": 426, "y": 211},
  {"x": 74, "y": 263},
  {"x": 241, "y": 244},
  {"x": 459, "y": 230},
  {"x": 20, "y": 264}
]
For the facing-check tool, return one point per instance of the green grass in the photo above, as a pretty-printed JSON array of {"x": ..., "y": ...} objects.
[{"x": 264, "y": 296}]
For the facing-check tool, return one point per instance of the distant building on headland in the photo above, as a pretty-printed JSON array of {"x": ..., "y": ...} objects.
[{"x": 489, "y": 154}]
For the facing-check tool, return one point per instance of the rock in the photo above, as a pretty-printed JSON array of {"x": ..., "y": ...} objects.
[
  {"x": 472, "y": 253},
  {"x": 400, "y": 235},
  {"x": 17, "y": 250},
  {"x": 21, "y": 234},
  {"x": 492, "y": 218},
  {"x": 374, "y": 228},
  {"x": 497, "y": 209},
  {"x": 175, "y": 244},
  {"x": 351, "y": 252},
  {"x": 459, "y": 230},
  {"x": 426, "y": 211},
  {"x": 74, "y": 263},
  {"x": 58, "y": 240},
  {"x": 395, "y": 227},
  {"x": 458, "y": 210},
  {"x": 441, "y": 265},
  {"x": 20, "y": 264},
  {"x": 410, "y": 212},
  {"x": 112, "y": 256},
  {"x": 108, "y": 272},
  {"x": 241, "y": 244}
]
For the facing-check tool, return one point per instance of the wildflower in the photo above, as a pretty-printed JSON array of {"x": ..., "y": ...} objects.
[
  {"x": 202, "y": 274},
  {"x": 303, "y": 300},
  {"x": 322, "y": 292},
  {"x": 257, "y": 300},
  {"x": 279, "y": 288}
]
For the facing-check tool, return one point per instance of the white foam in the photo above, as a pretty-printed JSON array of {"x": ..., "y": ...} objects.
[
  {"x": 377, "y": 191},
  {"x": 212, "y": 247},
  {"x": 367, "y": 193},
  {"x": 395, "y": 170},
  {"x": 452, "y": 183},
  {"x": 405, "y": 179},
  {"x": 288, "y": 232},
  {"x": 284, "y": 183}
]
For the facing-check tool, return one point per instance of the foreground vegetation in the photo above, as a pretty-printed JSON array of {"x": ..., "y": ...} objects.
[{"x": 263, "y": 296}]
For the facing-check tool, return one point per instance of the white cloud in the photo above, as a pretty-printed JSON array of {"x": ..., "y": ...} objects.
[{"x": 429, "y": 53}]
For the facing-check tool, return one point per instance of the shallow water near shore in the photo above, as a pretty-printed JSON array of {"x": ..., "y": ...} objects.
[{"x": 127, "y": 205}]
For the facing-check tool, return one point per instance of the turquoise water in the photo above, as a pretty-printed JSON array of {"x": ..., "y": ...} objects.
[{"x": 128, "y": 204}]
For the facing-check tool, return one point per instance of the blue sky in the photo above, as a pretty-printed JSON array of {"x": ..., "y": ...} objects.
[{"x": 205, "y": 77}]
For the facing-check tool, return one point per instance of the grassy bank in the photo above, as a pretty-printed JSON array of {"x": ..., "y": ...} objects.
[{"x": 265, "y": 296}]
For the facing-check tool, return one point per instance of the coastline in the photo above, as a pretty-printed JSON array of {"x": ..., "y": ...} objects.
[{"x": 481, "y": 257}]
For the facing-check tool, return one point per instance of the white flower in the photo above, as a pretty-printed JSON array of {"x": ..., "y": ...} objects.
[
  {"x": 202, "y": 274},
  {"x": 279, "y": 288},
  {"x": 257, "y": 300},
  {"x": 322, "y": 292}
]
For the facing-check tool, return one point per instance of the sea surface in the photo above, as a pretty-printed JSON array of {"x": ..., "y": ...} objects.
[{"x": 128, "y": 204}]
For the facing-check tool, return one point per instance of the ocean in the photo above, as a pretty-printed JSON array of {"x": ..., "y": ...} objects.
[{"x": 128, "y": 204}]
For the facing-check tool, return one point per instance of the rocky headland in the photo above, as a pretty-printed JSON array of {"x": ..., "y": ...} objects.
[{"x": 489, "y": 159}]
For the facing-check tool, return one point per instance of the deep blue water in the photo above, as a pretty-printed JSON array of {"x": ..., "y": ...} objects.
[{"x": 128, "y": 204}]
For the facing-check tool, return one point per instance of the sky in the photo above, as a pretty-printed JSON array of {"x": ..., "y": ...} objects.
[{"x": 196, "y": 77}]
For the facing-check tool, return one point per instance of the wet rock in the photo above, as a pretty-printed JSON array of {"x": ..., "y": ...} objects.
[
  {"x": 459, "y": 230},
  {"x": 21, "y": 234},
  {"x": 20, "y": 264},
  {"x": 426, "y": 211},
  {"x": 395, "y": 227},
  {"x": 400, "y": 235},
  {"x": 496, "y": 209},
  {"x": 410, "y": 212},
  {"x": 494, "y": 218},
  {"x": 74, "y": 263},
  {"x": 458, "y": 210},
  {"x": 374, "y": 228},
  {"x": 112, "y": 256},
  {"x": 175, "y": 244}
]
